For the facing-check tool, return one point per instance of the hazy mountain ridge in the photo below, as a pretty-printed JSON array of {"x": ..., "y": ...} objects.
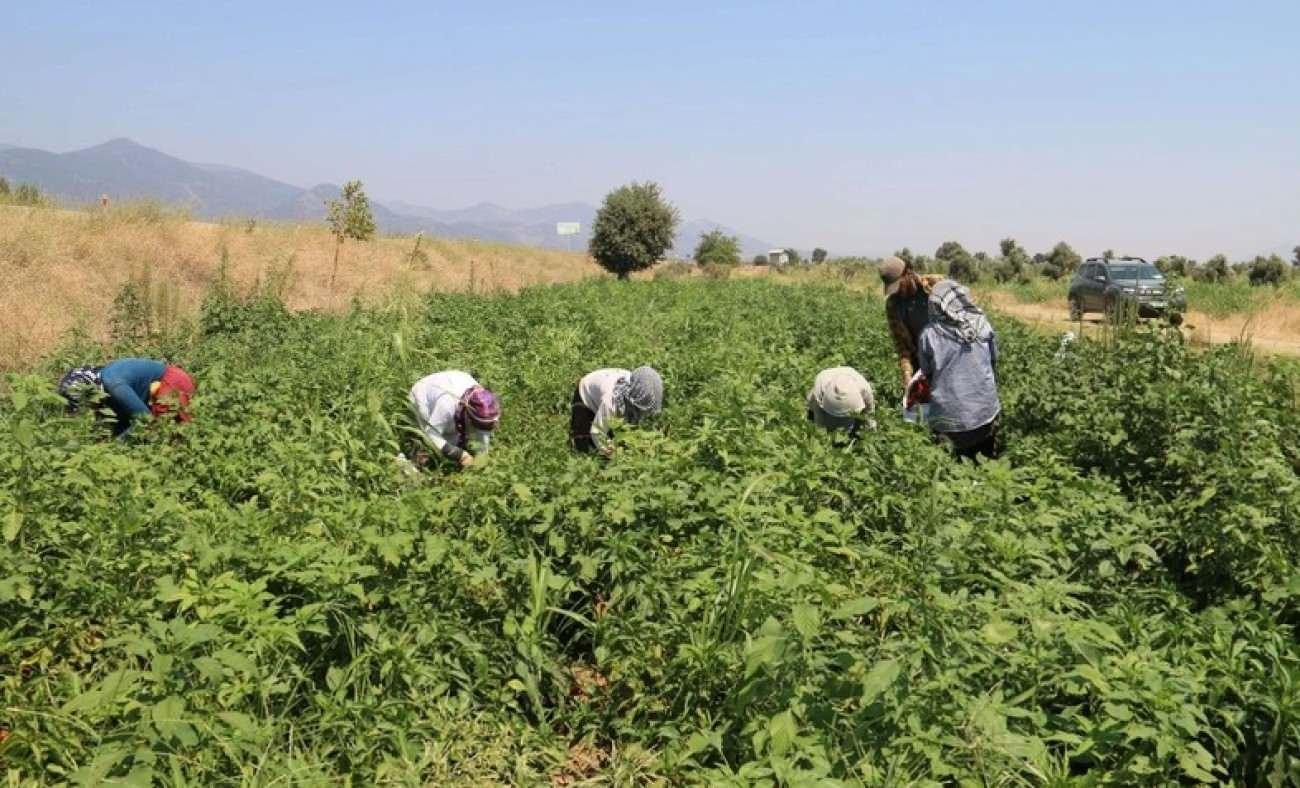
[{"x": 124, "y": 170}]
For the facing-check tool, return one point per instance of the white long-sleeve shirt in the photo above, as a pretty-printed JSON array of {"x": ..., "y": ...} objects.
[
  {"x": 597, "y": 392},
  {"x": 434, "y": 399}
]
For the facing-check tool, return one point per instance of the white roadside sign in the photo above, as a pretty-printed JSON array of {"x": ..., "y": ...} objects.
[{"x": 567, "y": 228}]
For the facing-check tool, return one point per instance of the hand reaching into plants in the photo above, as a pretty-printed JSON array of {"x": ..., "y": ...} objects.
[{"x": 466, "y": 460}]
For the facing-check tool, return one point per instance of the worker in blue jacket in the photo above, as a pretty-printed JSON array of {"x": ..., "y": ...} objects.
[{"x": 132, "y": 387}]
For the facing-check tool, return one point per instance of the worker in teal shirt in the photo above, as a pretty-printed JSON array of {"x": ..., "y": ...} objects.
[{"x": 135, "y": 387}]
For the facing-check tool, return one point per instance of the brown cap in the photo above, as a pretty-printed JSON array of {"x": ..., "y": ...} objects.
[{"x": 891, "y": 274}]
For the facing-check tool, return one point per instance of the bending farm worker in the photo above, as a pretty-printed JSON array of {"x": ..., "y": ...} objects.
[
  {"x": 959, "y": 356},
  {"x": 606, "y": 393},
  {"x": 132, "y": 388},
  {"x": 455, "y": 414},
  {"x": 906, "y": 309},
  {"x": 841, "y": 399}
]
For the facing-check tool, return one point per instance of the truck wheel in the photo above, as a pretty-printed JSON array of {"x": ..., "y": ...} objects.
[{"x": 1076, "y": 310}]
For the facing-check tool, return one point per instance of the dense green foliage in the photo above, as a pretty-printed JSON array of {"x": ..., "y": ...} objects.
[
  {"x": 1270, "y": 270},
  {"x": 1061, "y": 261},
  {"x": 632, "y": 229},
  {"x": 734, "y": 597},
  {"x": 958, "y": 263},
  {"x": 717, "y": 248},
  {"x": 349, "y": 217}
]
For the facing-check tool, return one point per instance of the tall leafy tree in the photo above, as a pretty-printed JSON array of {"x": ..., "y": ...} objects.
[
  {"x": 349, "y": 217},
  {"x": 633, "y": 229},
  {"x": 819, "y": 255}
]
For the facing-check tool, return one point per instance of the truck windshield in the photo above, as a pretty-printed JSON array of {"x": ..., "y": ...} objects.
[{"x": 1122, "y": 271}]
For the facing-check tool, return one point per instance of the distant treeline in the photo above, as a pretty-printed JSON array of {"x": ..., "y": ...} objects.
[{"x": 1015, "y": 264}]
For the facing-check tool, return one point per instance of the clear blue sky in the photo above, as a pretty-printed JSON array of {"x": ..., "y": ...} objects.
[{"x": 1144, "y": 126}]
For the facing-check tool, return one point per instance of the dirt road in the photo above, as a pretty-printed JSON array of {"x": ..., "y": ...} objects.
[{"x": 1198, "y": 327}]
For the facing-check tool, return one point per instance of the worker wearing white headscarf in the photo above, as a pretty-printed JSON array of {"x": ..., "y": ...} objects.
[{"x": 841, "y": 399}]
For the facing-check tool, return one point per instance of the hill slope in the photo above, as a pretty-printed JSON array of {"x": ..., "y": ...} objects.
[
  {"x": 126, "y": 170},
  {"x": 62, "y": 269}
]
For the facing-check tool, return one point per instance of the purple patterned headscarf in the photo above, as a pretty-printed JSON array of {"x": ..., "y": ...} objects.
[{"x": 478, "y": 407}]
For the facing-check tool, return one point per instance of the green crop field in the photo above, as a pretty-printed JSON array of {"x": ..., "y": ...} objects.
[{"x": 262, "y": 597}]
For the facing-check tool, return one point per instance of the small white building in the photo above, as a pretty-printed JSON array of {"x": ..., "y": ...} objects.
[{"x": 778, "y": 257}]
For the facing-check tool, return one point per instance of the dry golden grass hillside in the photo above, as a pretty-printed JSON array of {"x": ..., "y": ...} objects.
[{"x": 61, "y": 270}]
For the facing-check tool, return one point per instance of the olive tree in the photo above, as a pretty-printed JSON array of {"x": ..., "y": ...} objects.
[
  {"x": 1013, "y": 261},
  {"x": 1061, "y": 261},
  {"x": 633, "y": 229},
  {"x": 1213, "y": 270},
  {"x": 1174, "y": 265},
  {"x": 961, "y": 266},
  {"x": 1269, "y": 270}
]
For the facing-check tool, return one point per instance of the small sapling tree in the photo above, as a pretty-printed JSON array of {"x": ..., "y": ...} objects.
[{"x": 349, "y": 217}]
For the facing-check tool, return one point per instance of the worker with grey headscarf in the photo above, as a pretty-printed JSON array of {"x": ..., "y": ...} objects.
[
  {"x": 608, "y": 393},
  {"x": 841, "y": 399},
  {"x": 958, "y": 354}
]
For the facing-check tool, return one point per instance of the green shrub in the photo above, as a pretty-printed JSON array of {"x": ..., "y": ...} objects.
[
  {"x": 675, "y": 270},
  {"x": 717, "y": 248}
]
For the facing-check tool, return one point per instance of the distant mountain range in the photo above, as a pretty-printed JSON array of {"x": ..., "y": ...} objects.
[{"x": 126, "y": 170}]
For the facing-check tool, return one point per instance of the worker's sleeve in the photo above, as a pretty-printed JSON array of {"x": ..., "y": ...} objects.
[
  {"x": 993, "y": 354},
  {"x": 424, "y": 415},
  {"x": 600, "y": 424},
  {"x": 125, "y": 396},
  {"x": 129, "y": 405},
  {"x": 925, "y": 356},
  {"x": 903, "y": 345}
]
